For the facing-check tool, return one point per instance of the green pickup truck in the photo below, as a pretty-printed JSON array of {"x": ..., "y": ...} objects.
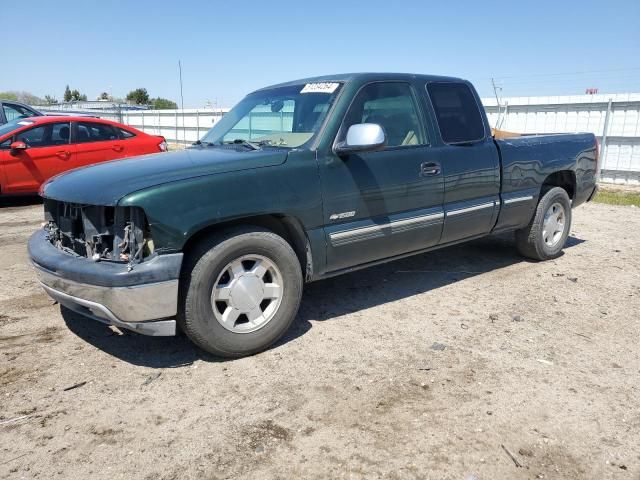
[{"x": 299, "y": 182}]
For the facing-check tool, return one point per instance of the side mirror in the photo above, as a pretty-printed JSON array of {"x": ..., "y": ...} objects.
[
  {"x": 17, "y": 147},
  {"x": 362, "y": 137}
]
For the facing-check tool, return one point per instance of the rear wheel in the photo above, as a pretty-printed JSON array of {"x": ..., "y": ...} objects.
[
  {"x": 240, "y": 291},
  {"x": 545, "y": 236}
]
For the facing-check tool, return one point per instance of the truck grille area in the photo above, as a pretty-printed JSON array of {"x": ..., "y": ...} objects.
[{"x": 115, "y": 234}]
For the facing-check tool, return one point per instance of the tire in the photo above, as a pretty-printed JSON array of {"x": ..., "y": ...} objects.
[
  {"x": 531, "y": 241},
  {"x": 231, "y": 261}
]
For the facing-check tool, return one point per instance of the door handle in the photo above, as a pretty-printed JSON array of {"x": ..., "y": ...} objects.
[
  {"x": 429, "y": 168},
  {"x": 118, "y": 148},
  {"x": 63, "y": 154}
]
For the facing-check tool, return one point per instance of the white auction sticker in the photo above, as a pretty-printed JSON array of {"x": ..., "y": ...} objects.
[
  {"x": 324, "y": 87},
  {"x": 25, "y": 123}
]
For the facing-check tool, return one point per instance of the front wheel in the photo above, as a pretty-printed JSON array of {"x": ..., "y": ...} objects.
[
  {"x": 240, "y": 291},
  {"x": 546, "y": 234}
]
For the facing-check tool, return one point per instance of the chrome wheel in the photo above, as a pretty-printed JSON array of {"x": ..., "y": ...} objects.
[
  {"x": 553, "y": 224},
  {"x": 247, "y": 294}
]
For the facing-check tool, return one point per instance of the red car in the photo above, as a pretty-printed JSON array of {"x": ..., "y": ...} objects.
[{"x": 36, "y": 148}]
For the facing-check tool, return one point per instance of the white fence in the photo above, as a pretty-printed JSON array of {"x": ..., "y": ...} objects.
[
  {"x": 177, "y": 126},
  {"x": 614, "y": 119}
]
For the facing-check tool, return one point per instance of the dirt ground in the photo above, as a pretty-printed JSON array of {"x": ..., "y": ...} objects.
[{"x": 467, "y": 363}]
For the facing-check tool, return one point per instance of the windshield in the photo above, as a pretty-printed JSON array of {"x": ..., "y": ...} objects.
[
  {"x": 282, "y": 117},
  {"x": 12, "y": 125}
]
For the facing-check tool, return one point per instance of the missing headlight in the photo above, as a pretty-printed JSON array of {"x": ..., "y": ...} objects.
[{"x": 116, "y": 234}]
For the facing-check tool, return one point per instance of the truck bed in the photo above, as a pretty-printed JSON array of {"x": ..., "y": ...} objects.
[{"x": 528, "y": 160}]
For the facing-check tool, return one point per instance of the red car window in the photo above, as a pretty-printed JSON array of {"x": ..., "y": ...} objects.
[
  {"x": 45, "y": 135},
  {"x": 95, "y": 132},
  {"x": 126, "y": 133}
]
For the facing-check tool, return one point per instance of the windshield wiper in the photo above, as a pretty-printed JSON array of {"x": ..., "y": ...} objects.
[
  {"x": 199, "y": 143},
  {"x": 244, "y": 143}
]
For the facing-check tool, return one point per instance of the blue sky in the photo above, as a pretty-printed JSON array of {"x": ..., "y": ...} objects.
[{"x": 230, "y": 48}]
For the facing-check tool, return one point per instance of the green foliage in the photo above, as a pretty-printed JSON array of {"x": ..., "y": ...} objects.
[
  {"x": 74, "y": 95},
  {"x": 103, "y": 96},
  {"x": 618, "y": 197},
  {"x": 24, "y": 97},
  {"x": 29, "y": 98},
  {"x": 49, "y": 100},
  {"x": 163, "y": 104},
  {"x": 9, "y": 96},
  {"x": 139, "y": 96}
]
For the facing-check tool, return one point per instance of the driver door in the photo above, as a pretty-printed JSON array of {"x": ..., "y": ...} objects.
[
  {"x": 384, "y": 203},
  {"x": 48, "y": 153}
]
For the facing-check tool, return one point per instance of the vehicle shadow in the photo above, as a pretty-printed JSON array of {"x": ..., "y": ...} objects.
[
  {"x": 324, "y": 300},
  {"x": 19, "y": 201}
]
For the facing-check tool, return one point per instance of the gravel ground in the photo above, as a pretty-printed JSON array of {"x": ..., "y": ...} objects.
[{"x": 467, "y": 363}]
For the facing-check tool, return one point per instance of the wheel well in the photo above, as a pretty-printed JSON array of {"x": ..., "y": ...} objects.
[
  {"x": 564, "y": 179},
  {"x": 287, "y": 227}
]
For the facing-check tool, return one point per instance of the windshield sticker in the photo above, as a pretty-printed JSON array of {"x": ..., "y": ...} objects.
[
  {"x": 25, "y": 123},
  {"x": 325, "y": 87}
]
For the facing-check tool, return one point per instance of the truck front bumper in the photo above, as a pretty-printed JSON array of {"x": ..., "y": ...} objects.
[{"x": 144, "y": 299}]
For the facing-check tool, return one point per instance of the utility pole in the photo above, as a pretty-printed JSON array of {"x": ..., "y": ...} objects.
[
  {"x": 495, "y": 92},
  {"x": 184, "y": 132}
]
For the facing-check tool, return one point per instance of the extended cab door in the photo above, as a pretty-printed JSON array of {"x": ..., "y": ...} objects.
[
  {"x": 48, "y": 153},
  {"x": 469, "y": 160},
  {"x": 385, "y": 203}
]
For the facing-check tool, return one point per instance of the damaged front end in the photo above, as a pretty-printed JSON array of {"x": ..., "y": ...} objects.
[
  {"x": 100, "y": 233},
  {"x": 99, "y": 261}
]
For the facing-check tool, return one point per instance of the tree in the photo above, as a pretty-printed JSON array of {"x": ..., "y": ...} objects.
[
  {"x": 163, "y": 104},
  {"x": 49, "y": 100},
  {"x": 75, "y": 96},
  {"x": 24, "y": 97},
  {"x": 103, "y": 96},
  {"x": 29, "y": 98},
  {"x": 139, "y": 96},
  {"x": 9, "y": 96}
]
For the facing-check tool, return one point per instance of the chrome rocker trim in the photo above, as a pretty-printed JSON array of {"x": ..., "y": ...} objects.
[
  {"x": 365, "y": 233},
  {"x": 517, "y": 199},
  {"x": 460, "y": 211}
]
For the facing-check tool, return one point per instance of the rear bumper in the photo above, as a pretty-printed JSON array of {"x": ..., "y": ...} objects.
[{"x": 144, "y": 299}]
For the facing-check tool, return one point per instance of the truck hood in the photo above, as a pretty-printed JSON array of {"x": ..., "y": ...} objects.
[{"x": 106, "y": 183}]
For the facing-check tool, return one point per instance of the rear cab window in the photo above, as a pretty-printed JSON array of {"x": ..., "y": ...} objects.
[{"x": 457, "y": 112}]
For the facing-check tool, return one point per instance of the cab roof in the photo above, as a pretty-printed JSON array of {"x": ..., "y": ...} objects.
[{"x": 365, "y": 77}]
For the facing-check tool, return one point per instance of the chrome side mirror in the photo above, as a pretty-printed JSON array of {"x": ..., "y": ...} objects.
[{"x": 362, "y": 137}]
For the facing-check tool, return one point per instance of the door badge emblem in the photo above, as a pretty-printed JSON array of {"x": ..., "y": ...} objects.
[{"x": 339, "y": 216}]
